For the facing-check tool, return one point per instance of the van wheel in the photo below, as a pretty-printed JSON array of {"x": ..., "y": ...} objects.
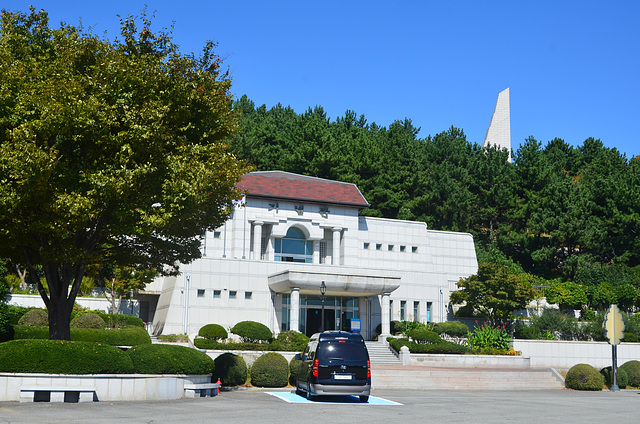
[{"x": 364, "y": 399}]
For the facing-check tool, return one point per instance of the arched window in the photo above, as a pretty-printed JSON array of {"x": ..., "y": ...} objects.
[{"x": 294, "y": 247}]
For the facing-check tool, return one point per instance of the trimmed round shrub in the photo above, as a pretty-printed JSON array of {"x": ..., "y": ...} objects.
[
  {"x": 632, "y": 368},
  {"x": 252, "y": 332},
  {"x": 62, "y": 357},
  {"x": 623, "y": 377},
  {"x": 424, "y": 336},
  {"x": 230, "y": 369},
  {"x": 169, "y": 359},
  {"x": 35, "y": 318},
  {"x": 88, "y": 320},
  {"x": 294, "y": 368},
  {"x": 270, "y": 370},
  {"x": 584, "y": 377},
  {"x": 293, "y": 341},
  {"x": 451, "y": 328},
  {"x": 213, "y": 332}
]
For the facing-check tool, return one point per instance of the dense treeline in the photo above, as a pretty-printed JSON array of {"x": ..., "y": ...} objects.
[{"x": 556, "y": 210}]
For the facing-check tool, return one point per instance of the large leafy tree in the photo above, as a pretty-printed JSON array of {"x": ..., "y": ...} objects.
[
  {"x": 110, "y": 152},
  {"x": 494, "y": 292}
]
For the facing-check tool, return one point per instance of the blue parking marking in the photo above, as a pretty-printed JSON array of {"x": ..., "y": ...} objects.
[{"x": 293, "y": 397}]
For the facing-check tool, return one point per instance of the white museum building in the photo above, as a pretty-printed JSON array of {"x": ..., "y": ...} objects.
[{"x": 293, "y": 236}]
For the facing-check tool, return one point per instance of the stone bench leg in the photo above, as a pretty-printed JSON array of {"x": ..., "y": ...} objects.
[
  {"x": 86, "y": 397},
  {"x": 26, "y": 396}
]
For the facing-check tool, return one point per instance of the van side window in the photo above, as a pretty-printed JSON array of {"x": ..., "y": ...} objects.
[{"x": 305, "y": 353}]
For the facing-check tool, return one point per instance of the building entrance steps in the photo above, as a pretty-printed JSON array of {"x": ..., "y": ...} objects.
[
  {"x": 381, "y": 354},
  {"x": 427, "y": 378}
]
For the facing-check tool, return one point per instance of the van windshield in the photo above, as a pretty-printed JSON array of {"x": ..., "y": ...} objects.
[{"x": 336, "y": 350}]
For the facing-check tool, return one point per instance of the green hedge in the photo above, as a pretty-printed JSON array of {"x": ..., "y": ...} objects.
[
  {"x": 294, "y": 368},
  {"x": 584, "y": 377},
  {"x": 62, "y": 357},
  {"x": 451, "y": 328},
  {"x": 230, "y": 369},
  {"x": 169, "y": 359},
  {"x": 16, "y": 312},
  {"x": 6, "y": 329},
  {"x": 422, "y": 335},
  {"x": 441, "y": 347},
  {"x": 270, "y": 370},
  {"x": 252, "y": 332},
  {"x": 88, "y": 320},
  {"x": 126, "y": 336},
  {"x": 263, "y": 347}
]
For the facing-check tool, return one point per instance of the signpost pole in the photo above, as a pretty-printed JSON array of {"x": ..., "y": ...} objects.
[{"x": 614, "y": 386}]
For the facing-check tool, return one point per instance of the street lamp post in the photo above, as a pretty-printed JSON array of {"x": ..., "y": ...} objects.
[{"x": 323, "y": 290}]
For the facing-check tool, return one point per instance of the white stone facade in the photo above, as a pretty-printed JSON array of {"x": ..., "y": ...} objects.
[{"x": 374, "y": 269}]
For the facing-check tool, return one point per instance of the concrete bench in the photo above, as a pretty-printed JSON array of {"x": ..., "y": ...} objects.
[
  {"x": 201, "y": 390},
  {"x": 57, "y": 394}
]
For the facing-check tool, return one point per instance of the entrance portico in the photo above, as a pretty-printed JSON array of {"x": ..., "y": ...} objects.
[{"x": 346, "y": 296}]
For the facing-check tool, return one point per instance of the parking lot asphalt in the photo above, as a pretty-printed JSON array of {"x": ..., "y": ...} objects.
[{"x": 254, "y": 406}]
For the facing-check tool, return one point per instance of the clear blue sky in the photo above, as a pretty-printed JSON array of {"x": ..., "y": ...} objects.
[{"x": 572, "y": 67}]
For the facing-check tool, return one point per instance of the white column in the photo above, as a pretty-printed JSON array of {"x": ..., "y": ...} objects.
[
  {"x": 386, "y": 319},
  {"x": 257, "y": 240},
  {"x": 316, "y": 252},
  {"x": 294, "y": 318},
  {"x": 336, "y": 246}
]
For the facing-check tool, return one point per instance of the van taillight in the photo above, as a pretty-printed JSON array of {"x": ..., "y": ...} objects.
[
  {"x": 315, "y": 367},
  {"x": 368, "y": 369}
]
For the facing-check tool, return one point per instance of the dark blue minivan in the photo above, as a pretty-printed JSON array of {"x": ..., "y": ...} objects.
[{"x": 335, "y": 363}]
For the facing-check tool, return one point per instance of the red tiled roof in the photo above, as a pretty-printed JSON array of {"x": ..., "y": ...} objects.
[{"x": 284, "y": 185}]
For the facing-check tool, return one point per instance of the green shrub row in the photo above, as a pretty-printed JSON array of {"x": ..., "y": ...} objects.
[
  {"x": 287, "y": 341},
  {"x": 169, "y": 359},
  {"x": 441, "y": 347},
  {"x": 126, "y": 336},
  {"x": 76, "y": 357}
]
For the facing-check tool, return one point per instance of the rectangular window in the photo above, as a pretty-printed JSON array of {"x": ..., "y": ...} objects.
[
  {"x": 403, "y": 248},
  {"x": 366, "y": 246},
  {"x": 416, "y": 310},
  {"x": 247, "y": 295},
  {"x": 414, "y": 249},
  {"x": 390, "y": 248},
  {"x": 378, "y": 246},
  {"x": 428, "y": 311},
  {"x": 216, "y": 234},
  {"x": 216, "y": 294},
  {"x": 233, "y": 294},
  {"x": 322, "y": 250},
  {"x": 403, "y": 310},
  {"x": 200, "y": 292}
]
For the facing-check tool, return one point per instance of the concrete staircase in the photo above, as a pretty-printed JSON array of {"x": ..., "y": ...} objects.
[
  {"x": 381, "y": 354},
  {"x": 428, "y": 378}
]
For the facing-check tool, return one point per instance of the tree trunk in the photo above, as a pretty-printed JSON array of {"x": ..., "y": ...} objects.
[{"x": 59, "y": 320}]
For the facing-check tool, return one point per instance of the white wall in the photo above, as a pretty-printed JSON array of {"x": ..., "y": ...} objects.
[{"x": 564, "y": 354}]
